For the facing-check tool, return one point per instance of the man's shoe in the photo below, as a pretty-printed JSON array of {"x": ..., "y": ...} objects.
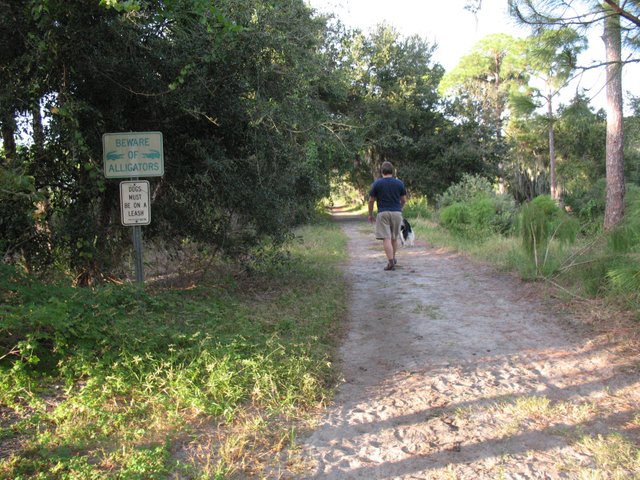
[{"x": 390, "y": 265}]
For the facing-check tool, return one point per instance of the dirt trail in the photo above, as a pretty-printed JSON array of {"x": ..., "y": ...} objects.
[{"x": 454, "y": 371}]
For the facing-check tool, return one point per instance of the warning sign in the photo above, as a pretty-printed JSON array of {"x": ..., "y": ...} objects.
[{"x": 135, "y": 203}]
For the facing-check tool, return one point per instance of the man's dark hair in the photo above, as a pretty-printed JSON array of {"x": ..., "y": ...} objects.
[{"x": 386, "y": 168}]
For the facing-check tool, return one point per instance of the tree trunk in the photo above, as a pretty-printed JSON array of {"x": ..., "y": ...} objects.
[
  {"x": 38, "y": 131},
  {"x": 614, "y": 207},
  {"x": 499, "y": 109},
  {"x": 552, "y": 151},
  {"x": 8, "y": 127}
]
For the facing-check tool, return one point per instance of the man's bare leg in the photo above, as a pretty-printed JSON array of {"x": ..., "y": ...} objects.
[{"x": 390, "y": 247}]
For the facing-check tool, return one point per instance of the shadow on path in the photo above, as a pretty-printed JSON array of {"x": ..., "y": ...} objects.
[{"x": 452, "y": 370}]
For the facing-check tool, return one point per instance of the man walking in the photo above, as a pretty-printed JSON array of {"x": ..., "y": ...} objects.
[{"x": 390, "y": 195}]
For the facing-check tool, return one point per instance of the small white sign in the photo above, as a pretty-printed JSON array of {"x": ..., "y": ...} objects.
[
  {"x": 133, "y": 154},
  {"x": 135, "y": 204}
]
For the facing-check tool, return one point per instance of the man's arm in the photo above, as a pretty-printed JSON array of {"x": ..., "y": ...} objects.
[
  {"x": 403, "y": 200},
  {"x": 372, "y": 200}
]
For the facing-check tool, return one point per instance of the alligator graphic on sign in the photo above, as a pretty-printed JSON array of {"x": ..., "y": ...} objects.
[
  {"x": 151, "y": 154},
  {"x": 114, "y": 155}
]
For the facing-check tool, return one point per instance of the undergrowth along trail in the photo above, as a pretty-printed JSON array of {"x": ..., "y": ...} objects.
[{"x": 202, "y": 377}]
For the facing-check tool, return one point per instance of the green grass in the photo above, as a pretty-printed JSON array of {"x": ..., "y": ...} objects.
[
  {"x": 503, "y": 252},
  {"x": 587, "y": 268},
  {"x": 540, "y": 413},
  {"x": 603, "y": 266},
  {"x": 201, "y": 383},
  {"x": 417, "y": 208},
  {"x": 432, "y": 312},
  {"x": 613, "y": 457}
]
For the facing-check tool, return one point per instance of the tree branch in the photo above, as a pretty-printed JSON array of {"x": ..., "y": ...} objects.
[
  {"x": 622, "y": 12},
  {"x": 538, "y": 18},
  {"x": 128, "y": 89}
]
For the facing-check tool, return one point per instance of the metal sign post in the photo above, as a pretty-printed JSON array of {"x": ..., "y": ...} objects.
[
  {"x": 132, "y": 155},
  {"x": 135, "y": 210},
  {"x": 137, "y": 246}
]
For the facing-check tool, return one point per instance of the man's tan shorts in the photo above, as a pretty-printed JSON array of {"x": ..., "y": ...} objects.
[{"x": 388, "y": 225}]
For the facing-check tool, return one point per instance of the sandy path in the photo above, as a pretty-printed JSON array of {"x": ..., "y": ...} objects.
[{"x": 452, "y": 370}]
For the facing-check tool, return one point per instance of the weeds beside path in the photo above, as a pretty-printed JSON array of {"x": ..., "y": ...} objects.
[
  {"x": 454, "y": 371},
  {"x": 201, "y": 375}
]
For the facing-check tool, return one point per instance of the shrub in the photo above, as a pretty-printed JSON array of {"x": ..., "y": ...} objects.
[
  {"x": 417, "y": 208},
  {"x": 541, "y": 221},
  {"x": 588, "y": 206},
  {"x": 17, "y": 214},
  {"x": 505, "y": 208},
  {"x": 626, "y": 238},
  {"x": 625, "y": 280},
  {"x": 470, "y": 187},
  {"x": 455, "y": 217},
  {"x": 467, "y": 219},
  {"x": 480, "y": 210},
  {"x": 624, "y": 276}
]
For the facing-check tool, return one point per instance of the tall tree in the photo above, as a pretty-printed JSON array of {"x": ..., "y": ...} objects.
[
  {"x": 491, "y": 76},
  {"x": 614, "y": 207},
  {"x": 551, "y": 58},
  {"x": 581, "y": 134},
  {"x": 585, "y": 13},
  {"x": 393, "y": 100},
  {"x": 235, "y": 87}
]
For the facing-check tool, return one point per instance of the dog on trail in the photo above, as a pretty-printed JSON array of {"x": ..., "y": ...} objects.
[{"x": 407, "y": 237}]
